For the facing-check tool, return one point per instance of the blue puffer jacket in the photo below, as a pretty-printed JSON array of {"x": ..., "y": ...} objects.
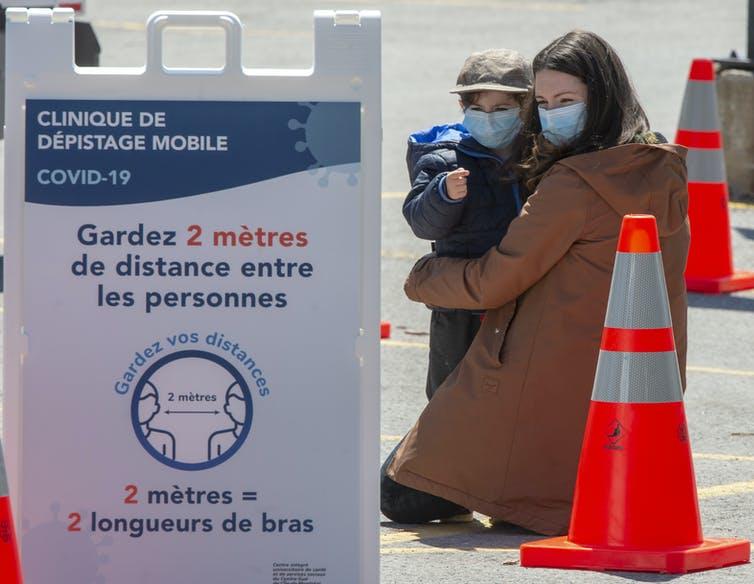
[{"x": 465, "y": 228}]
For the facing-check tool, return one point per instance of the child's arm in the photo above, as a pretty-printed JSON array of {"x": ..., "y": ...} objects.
[
  {"x": 430, "y": 212},
  {"x": 551, "y": 221}
]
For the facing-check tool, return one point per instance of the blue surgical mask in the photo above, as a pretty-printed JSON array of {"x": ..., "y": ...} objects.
[
  {"x": 495, "y": 129},
  {"x": 562, "y": 125}
]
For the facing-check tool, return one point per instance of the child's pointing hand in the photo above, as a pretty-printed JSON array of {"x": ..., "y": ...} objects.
[{"x": 455, "y": 183}]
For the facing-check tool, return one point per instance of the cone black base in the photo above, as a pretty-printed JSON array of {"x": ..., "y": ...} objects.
[{"x": 558, "y": 552}]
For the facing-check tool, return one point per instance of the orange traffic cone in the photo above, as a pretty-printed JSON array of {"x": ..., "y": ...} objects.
[
  {"x": 710, "y": 265},
  {"x": 10, "y": 566},
  {"x": 635, "y": 506}
]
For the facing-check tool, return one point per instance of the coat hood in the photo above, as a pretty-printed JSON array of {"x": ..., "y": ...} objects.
[
  {"x": 443, "y": 137},
  {"x": 639, "y": 178},
  {"x": 452, "y": 133}
]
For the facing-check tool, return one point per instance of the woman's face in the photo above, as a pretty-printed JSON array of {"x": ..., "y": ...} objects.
[{"x": 553, "y": 89}]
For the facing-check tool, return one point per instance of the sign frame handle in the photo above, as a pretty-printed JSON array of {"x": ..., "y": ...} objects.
[{"x": 163, "y": 19}]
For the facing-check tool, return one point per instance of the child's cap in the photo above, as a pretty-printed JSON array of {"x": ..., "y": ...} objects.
[{"x": 494, "y": 70}]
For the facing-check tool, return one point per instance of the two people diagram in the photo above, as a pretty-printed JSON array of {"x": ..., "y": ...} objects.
[{"x": 192, "y": 413}]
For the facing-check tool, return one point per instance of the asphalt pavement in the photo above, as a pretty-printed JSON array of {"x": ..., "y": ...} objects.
[{"x": 424, "y": 44}]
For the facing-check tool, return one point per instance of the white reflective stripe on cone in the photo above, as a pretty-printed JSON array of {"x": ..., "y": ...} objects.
[
  {"x": 637, "y": 378},
  {"x": 706, "y": 165},
  {"x": 699, "y": 109},
  {"x": 638, "y": 295}
]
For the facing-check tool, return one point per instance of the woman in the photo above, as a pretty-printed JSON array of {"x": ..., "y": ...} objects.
[{"x": 502, "y": 436}]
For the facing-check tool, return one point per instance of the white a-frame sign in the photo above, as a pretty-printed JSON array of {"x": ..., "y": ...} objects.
[{"x": 192, "y": 309}]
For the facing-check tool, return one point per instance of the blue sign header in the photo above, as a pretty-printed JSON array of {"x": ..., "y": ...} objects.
[{"x": 93, "y": 153}]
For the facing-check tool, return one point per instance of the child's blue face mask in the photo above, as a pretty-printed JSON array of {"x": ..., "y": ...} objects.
[
  {"x": 562, "y": 125},
  {"x": 495, "y": 129}
]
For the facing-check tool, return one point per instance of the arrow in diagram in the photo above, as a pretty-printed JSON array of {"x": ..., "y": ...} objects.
[{"x": 213, "y": 412}]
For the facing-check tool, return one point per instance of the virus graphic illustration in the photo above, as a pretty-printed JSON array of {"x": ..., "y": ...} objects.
[
  {"x": 56, "y": 555},
  {"x": 326, "y": 139}
]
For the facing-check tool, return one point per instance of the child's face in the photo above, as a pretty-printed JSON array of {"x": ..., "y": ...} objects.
[{"x": 494, "y": 101}]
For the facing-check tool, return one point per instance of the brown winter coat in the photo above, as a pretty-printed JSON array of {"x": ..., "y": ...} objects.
[{"x": 502, "y": 435}]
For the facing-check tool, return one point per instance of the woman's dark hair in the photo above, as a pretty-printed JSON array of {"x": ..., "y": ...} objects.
[{"x": 614, "y": 115}]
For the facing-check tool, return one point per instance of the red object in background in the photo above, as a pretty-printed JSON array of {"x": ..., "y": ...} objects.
[
  {"x": 710, "y": 265},
  {"x": 75, "y": 5},
  {"x": 10, "y": 565},
  {"x": 635, "y": 503},
  {"x": 384, "y": 330}
]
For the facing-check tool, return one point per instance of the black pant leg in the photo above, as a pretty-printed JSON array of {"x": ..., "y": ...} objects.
[
  {"x": 403, "y": 504},
  {"x": 450, "y": 336}
]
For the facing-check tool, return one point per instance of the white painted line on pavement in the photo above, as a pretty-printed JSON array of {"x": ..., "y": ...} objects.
[
  {"x": 496, "y": 4},
  {"x": 400, "y": 255},
  {"x": 438, "y": 550},
  {"x": 402, "y": 195},
  {"x": 126, "y": 25},
  {"x": 699, "y": 455},
  {"x": 118, "y": 25},
  {"x": 430, "y": 531},
  {"x": 404, "y": 344},
  {"x": 726, "y": 490},
  {"x": 436, "y": 531},
  {"x": 717, "y": 370},
  {"x": 391, "y": 543},
  {"x": 694, "y": 368},
  {"x": 727, "y": 457}
]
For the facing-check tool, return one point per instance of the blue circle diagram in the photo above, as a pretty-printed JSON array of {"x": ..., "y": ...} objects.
[{"x": 191, "y": 410}]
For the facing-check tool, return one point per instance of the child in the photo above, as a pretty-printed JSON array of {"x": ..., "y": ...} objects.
[{"x": 463, "y": 195}]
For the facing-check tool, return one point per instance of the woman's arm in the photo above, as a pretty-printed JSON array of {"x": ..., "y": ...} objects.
[{"x": 550, "y": 222}]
